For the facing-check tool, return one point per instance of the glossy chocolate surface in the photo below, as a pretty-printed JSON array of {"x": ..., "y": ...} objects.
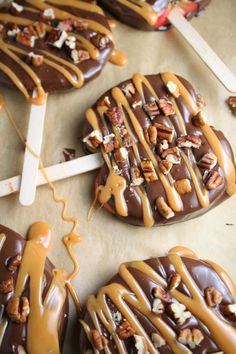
[{"x": 16, "y": 334}]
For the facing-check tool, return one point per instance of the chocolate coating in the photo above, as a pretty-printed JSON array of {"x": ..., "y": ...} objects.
[
  {"x": 181, "y": 122},
  {"x": 140, "y": 285},
  {"x": 16, "y": 334},
  {"x": 51, "y": 78},
  {"x": 161, "y": 7}
]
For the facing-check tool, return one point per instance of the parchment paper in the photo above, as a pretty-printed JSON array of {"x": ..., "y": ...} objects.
[{"x": 106, "y": 242}]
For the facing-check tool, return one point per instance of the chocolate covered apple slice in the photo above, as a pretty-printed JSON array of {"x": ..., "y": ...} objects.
[
  {"x": 174, "y": 304},
  {"x": 33, "y": 298},
  {"x": 163, "y": 162}
]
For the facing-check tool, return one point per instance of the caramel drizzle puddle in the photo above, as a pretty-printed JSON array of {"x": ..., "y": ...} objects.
[
  {"x": 69, "y": 240},
  {"x": 222, "y": 333},
  {"x": 143, "y": 9}
]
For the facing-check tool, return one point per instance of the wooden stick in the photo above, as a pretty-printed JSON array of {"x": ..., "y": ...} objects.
[
  {"x": 215, "y": 64},
  {"x": 55, "y": 173},
  {"x": 31, "y": 162}
]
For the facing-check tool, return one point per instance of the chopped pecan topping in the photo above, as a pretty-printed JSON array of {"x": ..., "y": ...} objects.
[
  {"x": 7, "y": 286},
  {"x": 229, "y": 311},
  {"x": 125, "y": 330},
  {"x": 232, "y": 104},
  {"x": 199, "y": 120},
  {"x": 164, "y": 132},
  {"x": 70, "y": 44},
  {"x": 191, "y": 337},
  {"x": 104, "y": 102},
  {"x": 99, "y": 341},
  {"x": 127, "y": 140},
  {"x": 94, "y": 139},
  {"x": 18, "y": 309},
  {"x": 164, "y": 208},
  {"x": 183, "y": 186},
  {"x": 165, "y": 166},
  {"x": 121, "y": 154},
  {"x": 178, "y": 313},
  {"x": 172, "y": 154},
  {"x": 110, "y": 143},
  {"x": 148, "y": 171},
  {"x": 157, "y": 340},
  {"x": 136, "y": 177},
  {"x": 200, "y": 101},
  {"x": 140, "y": 344},
  {"x": 174, "y": 281},
  {"x": 136, "y": 104},
  {"x": 48, "y": 14},
  {"x": 189, "y": 141},
  {"x": 128, "y": 89},
  {"x": 26, "y": 39},
  {"x": 100, "y": 41},
  {"x": 57, "y": 38},
  {"x": 69, "y": 154},
  {"x": 66, "y": 25},
  {"x": 214, "y": 180},
  {"x": 14, "y": 263},
  {"x": 115, "y": 115},
  {"x": 80, "y": 25},
  {"x": 160, "y": 293},
  {"x": 213, "y": 296},
  {"x": 40, "y": 29},
  {"x": 79, "y": 55},
  {"x": 35, "y": 59},
  {"x": 158, "y": 306},
  {"x": 161, "y": 146},
  {"x": 166, "y": 107},
  {"x": 13, "y": 31},
  {"x": 151, "y": 108},
  {"x": 208, "y": 161},
  {"x": 150, "y": 134},
  {"x": 173, "y": 89}
]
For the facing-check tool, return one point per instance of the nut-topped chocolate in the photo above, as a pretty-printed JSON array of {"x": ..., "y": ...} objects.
[
  {"x": 163, "y": 162},
  {"x": 33, "y": 296},
  {"x": 151, "y": 14},
  {"x": 52, "y": 45},
  {"x": 174, "y": 304}
]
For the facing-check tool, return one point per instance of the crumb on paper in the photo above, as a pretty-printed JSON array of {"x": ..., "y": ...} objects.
[
  {"x": 69, "y": 154},
  {"x": 232, "y": 104}
]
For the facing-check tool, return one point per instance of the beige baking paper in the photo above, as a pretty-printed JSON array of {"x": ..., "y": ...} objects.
[{"x": 106, "y": 242}]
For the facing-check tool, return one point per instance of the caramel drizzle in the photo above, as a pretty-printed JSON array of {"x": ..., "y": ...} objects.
[
  {"x": 143, "y": 9},
  {"x": 222, "y": 333}
]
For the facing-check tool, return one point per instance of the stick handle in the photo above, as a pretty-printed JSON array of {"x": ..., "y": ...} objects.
[
  {"x": 55, "y": 173},
  {"x": 31, "y": 162},
  {"x": 216, "y": 65}
]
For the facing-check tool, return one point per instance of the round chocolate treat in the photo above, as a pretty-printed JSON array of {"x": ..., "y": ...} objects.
[
  {"x": 174, "y": 304},
  {"x": 33, "y": 298},
  {"x": 52, "y": 45},
  {"x": 151, "y": 14},
  {"x": 163, "y": 162}
]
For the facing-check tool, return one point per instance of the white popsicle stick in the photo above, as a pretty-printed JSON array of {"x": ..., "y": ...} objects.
[
  {"x": 55, "y": 173},
  {"x": 215, "y": 64},
  {"x": 31, "y": 163}
]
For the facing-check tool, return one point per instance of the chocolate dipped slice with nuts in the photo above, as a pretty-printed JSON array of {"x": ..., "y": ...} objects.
[
  {"x": 33, "y": 296},
  {"x": 174, "y": 304},
  {"x": 52, "y": 45},
  {"x": 163, "y": 162}
]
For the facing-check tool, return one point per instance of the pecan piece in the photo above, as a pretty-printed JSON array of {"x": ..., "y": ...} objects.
[
  {"x": 150, "y": 134},
  {"x": 7, "y": 286},
  {"x": 136, "y": 177},
  {"x": 164, "y": 132},
  {"x": 94, "y": 139},
  {"x": 125, "y": 330},
  {"x": 99, "y": 341},
  {"x": 214, "y": 180},
  {"x": 213, "y": 296},
  {"x": 199, "y": 120},
  {"x": 183, "y": 186},
  {"x": 127, "y": 140},
  {"x": 128, "y": 89},
  {"x": 80, "y": 25},
  {"x": 161, "y": 146},
  {"x": 232, "y": 104},
  {"x": 208, "y": 161},
  {"x": 57, "y": 38},
  {"x": 109, "y": 143},
  {"x": 136, "y": 104},
  {"x": 66, "y": 25},
  {"x": 200, "y": 101},
  {"x": 115, "y": 115},
  {"x": 121, "y": 154},
  {"x": 172, "y": 154},
  {"x": 140, "y": 344},
  {"x": 40, "y": 28},
  {"x": 165, "y": 166},
  {"x": 13, "y": 31},
  {"x": 189, "y": 141},
  {"x": 174, "y": 281},
  {"x": 148, "y": 171},
  {"x": 48, "y": 14},
  {"x": 35, "y": 59},
  {"x": 166, "y": 107},
  {"x": 178, "y": 313},
  {"x": 160, "y": 293},
  {"x": 100, "y": 41},
  {"x": 79, "y": 55},
  {"x": 14, "y": 263},
  {"x": 173, "y": 89},
  {"x": 164, "y": 208},
  {"x": 229, "y": 311},
  {"x": 26, "y": 39},
  {"x": 151, "y": 108},
  {"x": 158, "y": 306},
  {"x": 104, "y": 102},
  {"x": 190, "y": 337},
  {"x": 157, "y": 340},
  {"x": 18, "y": 309}
]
